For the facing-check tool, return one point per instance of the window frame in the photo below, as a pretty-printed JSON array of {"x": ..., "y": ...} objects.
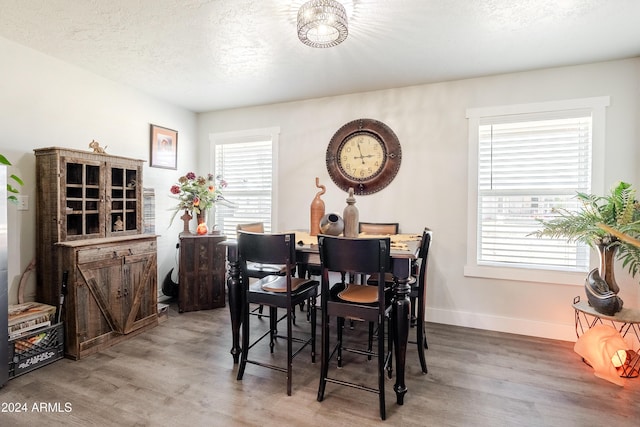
[
  {"x": 247, "y": 136},
  {"x": 475, "y": 116}
]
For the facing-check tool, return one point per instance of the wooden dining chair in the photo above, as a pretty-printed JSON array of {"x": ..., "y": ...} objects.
[
  {"x": 417, "y": 295},
  {"x": 351, "y": 300},
  {"x": 274, "y": 291},
  {"x": 259, "y": 270}
]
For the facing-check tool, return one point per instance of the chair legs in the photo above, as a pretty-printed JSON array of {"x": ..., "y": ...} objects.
[
  {"x": 413, "y": 312},
  {"x": 273, "y": 321},
  {"x": 324, "y": 364},
  {"x": 381, "y": 362},
  {"x": 421, "y": 335},
  {"x": 340, "y": 322},
  {"x": 327, "y": 355}
]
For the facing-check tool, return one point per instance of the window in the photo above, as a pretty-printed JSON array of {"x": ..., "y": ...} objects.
[
  {"x": 246, "y": 161},
  {"x": 525, "y": 161}
]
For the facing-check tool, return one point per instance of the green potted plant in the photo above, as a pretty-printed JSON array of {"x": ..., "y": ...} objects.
[
  {"x": 12, "y": 191},
  {"x": 595, "y": 224}
]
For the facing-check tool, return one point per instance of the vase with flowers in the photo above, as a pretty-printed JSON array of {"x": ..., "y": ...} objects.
[{"x": 197, "y": 195}]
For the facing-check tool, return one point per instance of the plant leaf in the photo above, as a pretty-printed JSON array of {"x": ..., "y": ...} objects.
[{"x": 17, "y": 179}]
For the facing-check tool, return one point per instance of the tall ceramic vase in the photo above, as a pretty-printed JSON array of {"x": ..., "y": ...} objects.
[
  {"x": 607, "y": 256},
  {"x": 351, "y": 216},
  {"x": 317, "y": 210}
]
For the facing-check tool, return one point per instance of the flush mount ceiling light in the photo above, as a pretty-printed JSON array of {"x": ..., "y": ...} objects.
[{"x": 322, "y": 23}]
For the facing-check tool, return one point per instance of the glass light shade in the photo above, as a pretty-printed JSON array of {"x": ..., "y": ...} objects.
[{"x": 322, "y": 23}]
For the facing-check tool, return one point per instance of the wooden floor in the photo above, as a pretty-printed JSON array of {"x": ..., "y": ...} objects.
[{"x": 181, "y": 374}]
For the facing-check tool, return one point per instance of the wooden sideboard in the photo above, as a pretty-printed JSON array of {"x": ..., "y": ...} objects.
[
  {"x": 111, "y": 292},
  {"x": 201, "y": 279}
]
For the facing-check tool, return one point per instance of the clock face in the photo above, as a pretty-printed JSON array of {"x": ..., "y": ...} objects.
[
  {"x": 365, "y": 155},
  {"x": 361, "y": 156}
]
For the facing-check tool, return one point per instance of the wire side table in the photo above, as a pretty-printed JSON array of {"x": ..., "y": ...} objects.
[{"x": 626, "y": 321}]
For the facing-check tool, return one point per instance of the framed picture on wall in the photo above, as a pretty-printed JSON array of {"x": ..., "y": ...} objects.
[{"x": 164, "y": 148}]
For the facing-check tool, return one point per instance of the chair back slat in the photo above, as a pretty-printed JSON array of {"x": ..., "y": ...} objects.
[
  {"x": 254, "y": 227},
  {"x": 354, "y": 255},
  {"x": 267, "y": 248},
  {"x": 378, "y": 227}
]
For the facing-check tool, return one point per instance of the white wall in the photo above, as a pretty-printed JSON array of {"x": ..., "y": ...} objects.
[
  {"x": 45, "y": 102},
  {"x": 431, "y": 186}
]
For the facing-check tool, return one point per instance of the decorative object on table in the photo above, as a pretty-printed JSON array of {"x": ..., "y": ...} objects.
[
  {"x": 600, "y": 297},
  {"x": 186, "y": 218},
  {"x": 163, "y": 146},
  {"x": 197, "y": 194},
  {"x": 604, "y": 349},
  {"x": 317, "y": 210},
  {"x": 202, "y": 228},
  {"x": 351, "y": 216},
  {"x": 619, "y": 211},
  {"x": 322, "y": 23},
  {"x": 331, "y": 224},
  {"x": 95, "y": 146},
  {"x": 364, "y": 154}
]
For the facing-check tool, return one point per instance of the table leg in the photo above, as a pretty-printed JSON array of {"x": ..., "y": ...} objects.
[
  {"x": 401, "y": 314},
  {"x": 235, "y": 299}
]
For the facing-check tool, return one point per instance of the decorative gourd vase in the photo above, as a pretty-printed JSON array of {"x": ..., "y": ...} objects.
[
  {"x": 202, "y": 229},
  {"x": 185, "y": 219},
  {"x": 331, "y": 224},
  {"x": 351, "y": 216},
  {"x": 607, "y": 255},
  {"x": 317, "y": 210}
]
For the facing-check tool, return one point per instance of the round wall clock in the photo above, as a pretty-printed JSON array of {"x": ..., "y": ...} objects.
[{"x": 364, "y": 154}]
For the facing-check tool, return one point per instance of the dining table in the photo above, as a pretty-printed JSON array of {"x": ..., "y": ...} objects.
[{"x": 404, "y": 250}]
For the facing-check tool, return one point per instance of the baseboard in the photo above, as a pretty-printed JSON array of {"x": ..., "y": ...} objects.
[{"x": 556, "y": 331}]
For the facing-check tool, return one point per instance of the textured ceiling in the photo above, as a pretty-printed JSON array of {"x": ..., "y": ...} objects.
[{"x": 217, "y": 54}]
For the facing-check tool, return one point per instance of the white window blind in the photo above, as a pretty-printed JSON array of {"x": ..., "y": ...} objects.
[
  {"x": 248, "y": 169},
  {"x": 529, "y": 164}
]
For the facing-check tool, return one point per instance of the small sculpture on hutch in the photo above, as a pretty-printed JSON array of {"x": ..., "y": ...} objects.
[
  {"x": 317, "y": 210},
  {"x": 96, "y": 147},
  {"x": 351, "y": 216},
  {"x": 186, "y": 218},
  {"x": 118, "y": 225}
]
